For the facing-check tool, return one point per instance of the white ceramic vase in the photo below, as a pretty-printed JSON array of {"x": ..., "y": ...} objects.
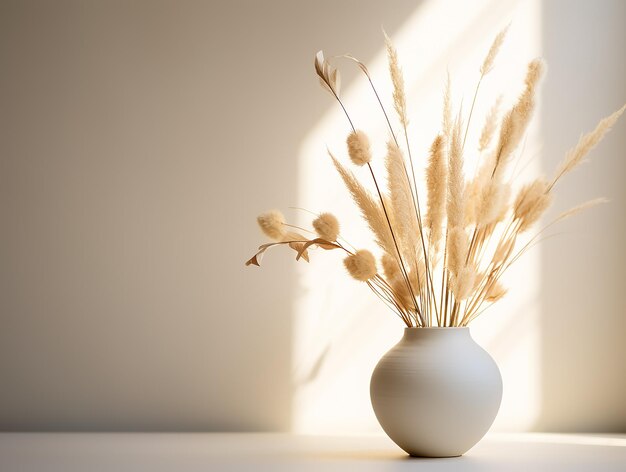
[{"x": 436, "y": 392}]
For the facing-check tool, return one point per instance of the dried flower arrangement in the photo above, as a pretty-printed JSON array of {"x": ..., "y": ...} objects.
[{"x": 442, "y": 262}]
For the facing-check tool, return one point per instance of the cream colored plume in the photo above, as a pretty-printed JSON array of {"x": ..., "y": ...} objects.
[
  {"x": 456, "y": 181},
  {"x": 487, "y": 65},
  {"x": 582, "y": 207},
  {"x": 361, "y": 265},
  {"x": 516, "y": 121},
  {"x": 326, "y": 226},
  {"x": 463, "y": 283},
  {"x": 457, "y": 247},
  {"x": 371, "y": 210},
  {"x": 359, "y": 148},
  {"x": 531, "y": 201},
  {"x": 436, "y": 181},
  {"x": 406, "y": 227},
  {"x": 495, "y": 292},
  {"x": 490, "y": 126},
  {"x": 586, "y": 143},
  {"x": 272, "y": 224},
  {"x": 399, "y": 97},
  {"x": 394, "y": 277}
]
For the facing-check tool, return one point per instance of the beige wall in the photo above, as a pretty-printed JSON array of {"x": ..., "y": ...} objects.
[
  {"x": 140, "y": 139},
  {"x": 583, "y": 323}
]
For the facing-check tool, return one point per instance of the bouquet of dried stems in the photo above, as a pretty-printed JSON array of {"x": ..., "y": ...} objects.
[{"x": 443, "y": 258}]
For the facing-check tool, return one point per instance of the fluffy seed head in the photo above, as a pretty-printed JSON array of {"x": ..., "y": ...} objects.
[
  {"x": 359, "y": 148},
  {"x": 272, "y": 224},
  {"x": 361, "y": 265},
  {"x": 326, "y": 226}
]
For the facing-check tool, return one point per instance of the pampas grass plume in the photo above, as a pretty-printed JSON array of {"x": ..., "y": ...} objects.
[
  {"x": 272, "y": 224},
  {"x": 326, "y": 226},
  {"x": 531, "y": 201},
  {"x": 586, "y": 143},
  {"x": 361, "y": 265},
  {"x": 495, "y": 292},
  {"x": 399, "y": 98},
  {"x": 464, "y": 283},
  {"x": 359, "y": 148},
  {"x": 487, "y": 65},
  {"x": 436, "y": 175}
]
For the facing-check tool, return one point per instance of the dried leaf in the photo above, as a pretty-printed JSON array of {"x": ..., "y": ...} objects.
[
  {"x": 328, "y": 75},
  {"x": 323, "y": 243}
]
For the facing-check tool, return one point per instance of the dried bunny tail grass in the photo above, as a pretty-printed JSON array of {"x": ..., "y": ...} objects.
[
  {"x": 516, "y": 120},
  {"x": 399, "y": 97},
  {"x": 457, "y": 247},
  {"x": 487, "y": 65},
  {"x": 580, "y": 208},
  {"x": 456, "y": 182},
  {"x": 490, "y": 126},
  {"x": 272, "y": 224},
  {"x": 495, "y": 292},
  {"x": 436, "y": 175},
  {"x": 361, "y": 265},
  {"x": 586, "y": 143},
  {"x": 463, "y": 283},
  {"x": 402, "y": 206},
  {"x": 326, "y": 226},
  {"x": 531, "y": 201},
  {"x": 359, "y": 148},
  {"x": 328, "y": 75},
  {"x": 370, "y": 209}
]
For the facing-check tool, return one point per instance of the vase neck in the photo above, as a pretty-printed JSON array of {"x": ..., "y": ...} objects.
[{"x": 411, "y": 334}]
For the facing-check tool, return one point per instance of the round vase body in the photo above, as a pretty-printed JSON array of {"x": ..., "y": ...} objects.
[{"x": 436, "y": 392}]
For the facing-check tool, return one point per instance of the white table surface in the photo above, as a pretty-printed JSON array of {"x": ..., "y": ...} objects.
[{"x": 181, "y": 452}]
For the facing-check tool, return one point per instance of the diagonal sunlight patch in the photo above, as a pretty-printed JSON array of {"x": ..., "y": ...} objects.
[{"x": 340, "y": 328}]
